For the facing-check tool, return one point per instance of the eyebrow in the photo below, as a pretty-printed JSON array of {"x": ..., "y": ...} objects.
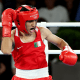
[{"x": 31, "y": 20}]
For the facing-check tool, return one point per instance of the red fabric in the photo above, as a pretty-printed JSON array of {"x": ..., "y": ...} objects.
[
  {"x": 8, "y": 16},
  {"x": 24, "y": 16},
  {"x": 29, "y": 57},
  {"x": 18, "y": 78},
  {"x": 68, "y": 56}
]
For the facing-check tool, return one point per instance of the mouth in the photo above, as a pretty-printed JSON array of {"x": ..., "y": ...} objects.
[{"x": 32, "y": 29}]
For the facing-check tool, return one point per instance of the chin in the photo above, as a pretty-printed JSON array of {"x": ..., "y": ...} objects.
[{"x": 30, "y": 33}]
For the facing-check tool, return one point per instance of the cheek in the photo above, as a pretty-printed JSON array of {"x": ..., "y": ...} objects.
[{"x": 27, "y": 26}]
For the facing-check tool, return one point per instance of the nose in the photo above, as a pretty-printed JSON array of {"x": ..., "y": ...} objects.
[{"x": 34, "y": 23}]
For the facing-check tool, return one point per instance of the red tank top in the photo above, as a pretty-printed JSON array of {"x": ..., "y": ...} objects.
[{"x": 29, "y": 55}]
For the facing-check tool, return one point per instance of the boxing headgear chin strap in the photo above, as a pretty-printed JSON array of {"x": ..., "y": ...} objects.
[{"x": 23, "y": 16}]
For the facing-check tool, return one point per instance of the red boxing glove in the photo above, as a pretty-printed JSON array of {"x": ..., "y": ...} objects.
[
  {"x": 8, "y": 16},
  {"x": 68, "y": 56}
]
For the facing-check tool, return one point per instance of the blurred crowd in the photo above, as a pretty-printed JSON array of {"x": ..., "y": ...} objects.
[
  {"x": 5, "y": 67},
  {"x": 55, "y": 10},
  {"x": 49, "y": 11}
]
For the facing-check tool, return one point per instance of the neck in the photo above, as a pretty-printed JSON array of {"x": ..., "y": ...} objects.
[{"x": 25, "y": 34}]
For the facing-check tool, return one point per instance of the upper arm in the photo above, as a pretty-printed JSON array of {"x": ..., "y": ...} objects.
[
  {"x": 6, "y": 45},
  {"x": 50, "y": 37},
  {"x": 53, "y": 38},
  {"x": 59, "y": 42}
]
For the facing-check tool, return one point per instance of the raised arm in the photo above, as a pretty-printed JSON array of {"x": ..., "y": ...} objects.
[
  {"x": 8, "y": 16},
  {"x": 6, "y": 45}
]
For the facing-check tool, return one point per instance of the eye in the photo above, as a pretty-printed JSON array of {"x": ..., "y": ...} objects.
[{"x": 30, "y": 21}]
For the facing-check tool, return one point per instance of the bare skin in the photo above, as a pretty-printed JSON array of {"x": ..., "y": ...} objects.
[{"x": 6, "y": 46}]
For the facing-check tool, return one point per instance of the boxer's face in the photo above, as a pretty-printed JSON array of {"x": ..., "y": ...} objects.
[{"x": 30, "y": 26}]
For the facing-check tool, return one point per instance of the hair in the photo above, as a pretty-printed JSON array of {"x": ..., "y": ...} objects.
[{"x": 24, "y": 9}]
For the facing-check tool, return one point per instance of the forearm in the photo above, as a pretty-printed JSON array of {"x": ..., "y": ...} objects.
[
  {"x": 62, "y": 44},
  {"x": 6, "y": 45}
]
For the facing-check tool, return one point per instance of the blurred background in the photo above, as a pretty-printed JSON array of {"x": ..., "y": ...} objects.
[{"x": 49, "y": 11}]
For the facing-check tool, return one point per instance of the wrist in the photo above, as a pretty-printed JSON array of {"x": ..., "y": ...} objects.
[
  {"x": 6, "y": 31},
  {"x": 68, "y": 48}
]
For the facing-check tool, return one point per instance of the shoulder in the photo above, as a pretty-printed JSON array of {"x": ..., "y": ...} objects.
[
  {"x": 42, "y": 29},
  {"x": 45, "y": 31},
  {"x": 61, "y": 8},
  {"x": 12, "y": 34},
  {"x": 41, "y": 10},
  {"x": 13, "y": 31}
]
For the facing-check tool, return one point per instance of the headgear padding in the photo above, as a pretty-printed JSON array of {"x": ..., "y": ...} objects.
[{"x": 23, "y": 16}]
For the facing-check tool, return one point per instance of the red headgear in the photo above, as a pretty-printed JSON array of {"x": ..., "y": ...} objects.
[{"x": 23, "y": 16}]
